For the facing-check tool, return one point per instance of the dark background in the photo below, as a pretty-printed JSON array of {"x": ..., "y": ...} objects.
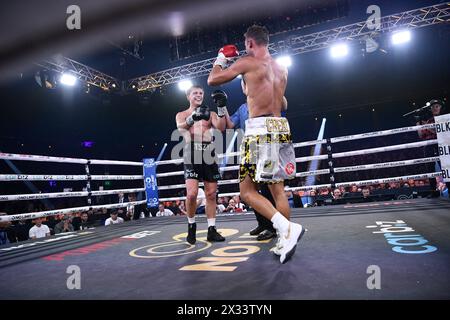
[{"x": 362, "y": 93}]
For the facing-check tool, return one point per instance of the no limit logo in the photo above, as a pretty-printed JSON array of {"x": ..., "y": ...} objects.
[{"x": 221, "y": 259}]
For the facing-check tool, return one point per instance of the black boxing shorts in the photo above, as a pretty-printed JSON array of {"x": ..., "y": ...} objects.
[{"x": 200, "y": 162}]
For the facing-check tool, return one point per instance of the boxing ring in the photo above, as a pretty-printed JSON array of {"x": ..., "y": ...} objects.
[{"x": 407, "y": 240}]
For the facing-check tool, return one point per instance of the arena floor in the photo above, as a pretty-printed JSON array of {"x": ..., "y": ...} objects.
[{"x": 148, "y": 259}]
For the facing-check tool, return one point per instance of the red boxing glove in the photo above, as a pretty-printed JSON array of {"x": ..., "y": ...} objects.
[
  {"x": 225, "y": 53},
  {"x": 229, "y": 51}
]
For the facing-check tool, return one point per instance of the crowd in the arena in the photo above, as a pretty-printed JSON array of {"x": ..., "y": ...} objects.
[{"x": 43, "y": 227}]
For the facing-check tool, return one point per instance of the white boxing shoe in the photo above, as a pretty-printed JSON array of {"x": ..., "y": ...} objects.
[
  {"x": 287, "y": 243},
  {"x": 276, "y": 249}
]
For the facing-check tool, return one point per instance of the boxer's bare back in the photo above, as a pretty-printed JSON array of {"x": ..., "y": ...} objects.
[{"x": 265, "y": 82}]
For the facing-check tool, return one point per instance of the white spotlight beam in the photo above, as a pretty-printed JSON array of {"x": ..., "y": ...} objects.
[
  {"x": 401, "y": 37},
  {"x": 184, "y": 85},
  {"x": 68, "y": 79},
  {"x": 284, "y": 61},
  {"x": 339, "y": 50}
]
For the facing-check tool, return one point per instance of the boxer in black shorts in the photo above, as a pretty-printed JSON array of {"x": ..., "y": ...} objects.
[
  {"x": 200, "y": 161},
  {"x": 200, "y": 171}
]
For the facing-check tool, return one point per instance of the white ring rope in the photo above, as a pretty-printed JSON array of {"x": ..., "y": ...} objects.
[
  {"x": 48, "y": 177},
  {"x": 201, "y": 184},
  {"x": 25, "y": 157},
  {"x": 368, "y": 182},
  {"x": 320, "y": 186},
  {"x": 169, "y": 174},
  {"x": 311, "y": 158},
  {"x": 312, "y": 173},
  {"x": 70, "y": 194},
  {"x": 327, "y": 171},
  {"x": 10, "y": 156},
  {"x": 385, "y": 165},
  {"x": 28, "y": 157},
  {"x": 309, "y": 143},
  {"x": 34, "y": 215},
  {"x": 384, "y": 149},
  {"x": 179, "y": 173},
  {"x": 332, "y": 140},
  {"x": 381, "y": 133},
  {"x": 388, "y": 180}
]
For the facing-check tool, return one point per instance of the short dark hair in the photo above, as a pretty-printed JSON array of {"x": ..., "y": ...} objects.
[
  {"x": 258, "y": 33},
  {"x": 188, "y": 91}
]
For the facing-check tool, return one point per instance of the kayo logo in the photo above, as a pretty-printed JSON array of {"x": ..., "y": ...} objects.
[
  {"x": 404, "y": 239},
  {"x": 151, "y": 182}
]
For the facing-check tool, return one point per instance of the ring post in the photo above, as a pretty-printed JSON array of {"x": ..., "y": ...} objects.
[
  {"x": 330, "y": 163},
  {"x": 88, "y": 184},
  {"x": 150, "y": 182}
]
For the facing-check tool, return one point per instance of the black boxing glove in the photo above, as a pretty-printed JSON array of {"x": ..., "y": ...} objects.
[
  {"x": 200, "y": 113},
  {"x": 203, "y": 113},
  {"x": 220, "y": 99}
]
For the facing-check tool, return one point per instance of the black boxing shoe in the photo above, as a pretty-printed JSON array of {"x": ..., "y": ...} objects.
[
  {"x": 266, "y": 235},
  {"x": 192, "y": 230},
  {"x": 256, "y": 231},
  {"x": 213, "y": 235}
]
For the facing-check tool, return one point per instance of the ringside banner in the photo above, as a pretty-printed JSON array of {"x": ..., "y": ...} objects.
[
  {"x": 151, "y": 186},
  {"x": 443, "y": 137}
]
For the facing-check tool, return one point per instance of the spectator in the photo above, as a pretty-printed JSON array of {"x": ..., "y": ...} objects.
[
  {"x": 82, "y": 222},
  {"x": 121, "y": 214},
  {"x": 64, "y": 225},
  {"x": 182, "y": 208},
  {"x": 39, "y": 230},
  {"x": 121, "y": 197},
  {"x": 310, "y": 200},
  {"x": 114, "y": 219},
  {"x": 21, "y": 230},
  {"x": 436, "y": 109},
  {"x": 201, "y": 201},
  {"x": 163, "y": 212},
  {"x": 290, "y": 197},
  {"x": 393, "y": 185},
  {"x": 102, "y": 214},
  {"x": 174, "y": 208},
  {"x": 239, "y": 204},
  {"x": 232, "y": 207},
  {"x": 220, "y": 205},
  {"x": 443, "y": 189},
  {"x": 366, "y": 195},
  {"x": 337, "y": 194},
  {"x": 134, "y": 212},
  {"x": 6, "y": 232}
]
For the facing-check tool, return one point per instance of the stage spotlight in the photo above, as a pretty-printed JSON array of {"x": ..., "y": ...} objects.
[
  {"x": 184, "y": 85},
  {"x": 284, "y": 61},
  {"x": 401, "y": 37},
  {"x": 68, "y": 79},
  {"x": 339, "y": 50}
]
